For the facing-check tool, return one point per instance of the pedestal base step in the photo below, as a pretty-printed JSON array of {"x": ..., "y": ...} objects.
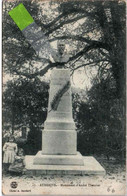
[
  {"x": 42, "y": 159},
  {"x": 91, "y": 166}
]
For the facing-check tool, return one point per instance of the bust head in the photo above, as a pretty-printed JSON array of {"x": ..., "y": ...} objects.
[{"x": 60, "y": 47}]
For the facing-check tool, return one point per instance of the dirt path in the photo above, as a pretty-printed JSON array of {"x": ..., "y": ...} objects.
[{"x": 113, "y": 183}]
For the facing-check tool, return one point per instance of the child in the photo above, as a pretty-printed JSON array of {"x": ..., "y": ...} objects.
[
  {"x": 18, "y": 166},
  {"x": 10, "y": 149}
]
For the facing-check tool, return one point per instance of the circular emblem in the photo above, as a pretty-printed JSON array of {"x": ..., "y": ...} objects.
[{"x": 14, "y": 185}]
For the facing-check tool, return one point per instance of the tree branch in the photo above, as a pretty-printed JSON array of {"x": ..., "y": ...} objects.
[
  {"x": 89, "y": 64},
  {"x": 54, "y": 21},
  {"x": 65, "y": 22},
  {"x": 73, "y": 37},
  {"x": 38, "y": 73},
  {"x": 30, "y": 76},
  {"x": 93, "y": 45},
  {"x": 49, "y": 25}
]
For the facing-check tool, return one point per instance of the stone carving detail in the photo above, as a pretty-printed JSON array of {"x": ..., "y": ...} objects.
[{"x": 59, "y": 94}]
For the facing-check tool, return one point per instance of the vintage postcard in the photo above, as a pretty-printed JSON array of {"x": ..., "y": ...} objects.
[{"x": 64, "y": 76}]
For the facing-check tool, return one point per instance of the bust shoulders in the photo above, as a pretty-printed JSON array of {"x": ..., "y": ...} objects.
[{"x": 58, "y": 58}]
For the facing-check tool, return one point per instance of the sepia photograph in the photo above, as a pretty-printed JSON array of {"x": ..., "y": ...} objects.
[{"x": 64, "y": 97}]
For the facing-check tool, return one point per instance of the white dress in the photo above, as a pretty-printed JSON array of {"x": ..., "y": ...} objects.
[{"x": 10, "y": 150}]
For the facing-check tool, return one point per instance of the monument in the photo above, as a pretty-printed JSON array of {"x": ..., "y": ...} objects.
[
  {"x": 59, "y": 138},
  {"x": 59, "y": 153}
]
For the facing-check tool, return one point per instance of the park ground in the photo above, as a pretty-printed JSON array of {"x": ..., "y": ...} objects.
[{"x": 113, "y": 183}]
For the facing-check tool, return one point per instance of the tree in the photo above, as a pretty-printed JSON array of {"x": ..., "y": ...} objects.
[
  {"x": 98, "y": 39},
  {"x": 25, "y": 103},
  {"x": 105, "y": 121}
]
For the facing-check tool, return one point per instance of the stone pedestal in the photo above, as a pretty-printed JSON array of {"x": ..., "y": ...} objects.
[
  {"x": 59, "y": 138},
  {"x": 41, "y": 159},
  {"x": 59, "y": 135},
  {"x": 90, "y": 167}
]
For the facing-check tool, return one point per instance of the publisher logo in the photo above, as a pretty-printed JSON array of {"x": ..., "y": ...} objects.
[{"x": 14, "y": 185}]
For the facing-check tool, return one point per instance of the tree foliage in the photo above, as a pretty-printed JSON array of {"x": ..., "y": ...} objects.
[
  {"x": 25, "y": 103},
  {"x": 100, "y": 121},
  {"x": 94, "y": 31}
]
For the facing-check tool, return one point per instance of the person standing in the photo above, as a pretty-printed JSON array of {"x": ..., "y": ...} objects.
[{"x": 10, "y": 149}]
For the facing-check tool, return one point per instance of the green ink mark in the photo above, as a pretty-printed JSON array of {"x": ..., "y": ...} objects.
[{"x": 21, "y": 16}]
